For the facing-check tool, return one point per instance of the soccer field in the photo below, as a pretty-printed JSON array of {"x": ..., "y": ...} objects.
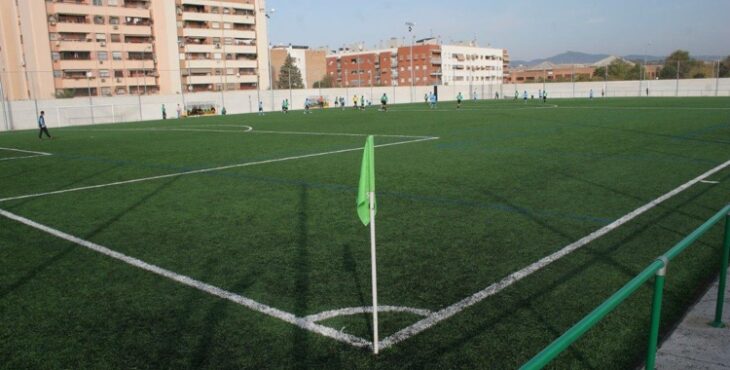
[{"x": 233, "y": 242}]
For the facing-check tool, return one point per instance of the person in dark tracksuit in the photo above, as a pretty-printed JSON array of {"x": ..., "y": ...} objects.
[{"x": 42, "y": 126}]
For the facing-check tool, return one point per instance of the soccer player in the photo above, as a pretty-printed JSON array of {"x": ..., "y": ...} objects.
[
  {"x": 362, "y": 102},
  {"x": 42, "y": 126},
  {"x": 590, "y": 94},
  {"x": 354, "y": 102},
  {"x": 459, "y": 98},
  {"x": 285, "y": 106},
  {"x": 164, "y": 112},
  {"x": 524, "y": 96},
  {"x": 306, "y": 106},
  {"x": 544, "y": 96},
  {"x": 433, "y": 101},
  {"x": 261, "y": 108},
  {"x": 384, "y": 102}
]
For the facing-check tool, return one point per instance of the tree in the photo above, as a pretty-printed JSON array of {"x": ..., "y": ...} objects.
[
  {"x": 290, "y": 77},
  {"x": 679, "y": 58},
  {"x": 620, "y": 70},
  {"x": 65, "y": 93},
  {"x": 327, "y": 81},
  {"x": 599, "y": 73}
]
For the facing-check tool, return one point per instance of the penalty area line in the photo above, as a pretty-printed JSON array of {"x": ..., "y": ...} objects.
[
  {"x": 249, "y": 303},
  {"x": 33, "y": 154},
  {"x": 513, "y": 278},
  {"x": 206, "y": 170}
]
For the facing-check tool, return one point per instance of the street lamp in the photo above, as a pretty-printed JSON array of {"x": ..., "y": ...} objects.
[
  {"x": 270, "y": 14},
  {"x": 410, "y": 26},
  {"x": 91, "y": 108}
]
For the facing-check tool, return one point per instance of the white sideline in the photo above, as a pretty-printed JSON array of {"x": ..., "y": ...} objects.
[
  {"x": 477, "y": 297},
  {"x": 206, "y": 170},
  {"x": 35, "y": 154},
  {"x": 207, "y": 288}
]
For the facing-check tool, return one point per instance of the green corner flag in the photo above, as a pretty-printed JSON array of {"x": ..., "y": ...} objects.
[{"x": 367, "y": 182}]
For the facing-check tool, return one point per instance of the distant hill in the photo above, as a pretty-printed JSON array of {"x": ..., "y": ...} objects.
[
  {"x": 570, "y": 57},
  {"x": 564, "y": 58}
]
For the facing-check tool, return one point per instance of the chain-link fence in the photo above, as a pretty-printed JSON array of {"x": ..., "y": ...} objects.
[{"x": 88, "y": 101}]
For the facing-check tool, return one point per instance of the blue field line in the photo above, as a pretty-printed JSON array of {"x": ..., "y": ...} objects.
[
  {"x": 706, "y": 130},
  {"x": 548, "y": 153}
]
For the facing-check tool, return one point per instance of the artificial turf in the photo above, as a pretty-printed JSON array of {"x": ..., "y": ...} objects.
[{"x": 505, "y": 184}]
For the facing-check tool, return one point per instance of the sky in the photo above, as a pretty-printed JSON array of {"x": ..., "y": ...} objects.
[{"x": 528, "y": 29}]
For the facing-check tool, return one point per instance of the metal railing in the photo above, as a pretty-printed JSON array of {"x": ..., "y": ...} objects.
[{"x": 658, "y": 268}]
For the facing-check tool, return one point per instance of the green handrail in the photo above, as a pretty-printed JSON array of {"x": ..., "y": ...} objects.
[{"x": 658, "y": 268}]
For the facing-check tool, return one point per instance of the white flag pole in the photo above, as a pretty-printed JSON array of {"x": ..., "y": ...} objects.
[{"x": 376, "y": 343}]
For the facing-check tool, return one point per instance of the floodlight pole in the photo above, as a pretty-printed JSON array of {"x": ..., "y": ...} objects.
[
  {"x": 3, "y": 100},
  {"x": 224, "y": 76},
  {"x": 544, "y": 78},
  {"x": 291, "y": 99},
  {"x": 91, "y": 107},
  {"x": 411, "y": 25},
  {"x": 572, "y": 79},
  {"x": 269, "y": 14},
  {"x": 717, "y": 79},
  {"x": 676, "y": 91},
  {"x": 30, "y": 90}
]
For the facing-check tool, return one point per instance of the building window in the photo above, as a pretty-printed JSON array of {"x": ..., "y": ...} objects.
[
  {"x": 116, "y": 55},
  {"x": 104, "y": 73},
  {"x": 100, "y": 37},
  {"x": 57, "y": 73},
  {"x": 113, "y": 20},
  {"x": 112, "y": 2},
  {"x": 97, "y": 3},
  {"x": 106, "y": 91},
  {"x": 102, "y": 55},
  {"x": 118, "y": 73},
  {"x": 115, "y": 37},
  {"x": 55, "y": 55},
  {"x": 98, "y": 19}
]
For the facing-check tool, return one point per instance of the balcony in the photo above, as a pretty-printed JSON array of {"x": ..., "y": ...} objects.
[
  {"x": 75, "y": 55},
  {"x": 68, "y": 18},
  {"x": 436, "y": 61},
  {"x": 137, "y": 21},
  {"x": 139, "y": 4}
]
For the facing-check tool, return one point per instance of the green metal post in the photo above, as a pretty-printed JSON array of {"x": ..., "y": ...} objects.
[
  {"x": 656, "y": 311},
  {"x": 723, "y": 276}
]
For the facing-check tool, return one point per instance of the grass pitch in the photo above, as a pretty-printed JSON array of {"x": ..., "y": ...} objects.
[{"x": 264, "y": 207}]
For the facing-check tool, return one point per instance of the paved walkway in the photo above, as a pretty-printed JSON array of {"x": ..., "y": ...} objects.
[{"x": 696, "y": 345}]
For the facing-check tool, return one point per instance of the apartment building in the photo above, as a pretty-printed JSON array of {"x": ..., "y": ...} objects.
[
  {"x": 505, "y": 66},
  {"x": 67, "y": 48},
  {"x": 431, "y": 64},
  {"x": 223, "y": 44},
  {"x": 310, "y": 62},
  {"x": 472, "y": 65},
  {"x": 363, "y": 68}
]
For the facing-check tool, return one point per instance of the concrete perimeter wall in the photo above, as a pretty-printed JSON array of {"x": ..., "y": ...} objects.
[{"x": 21, "y": 115}]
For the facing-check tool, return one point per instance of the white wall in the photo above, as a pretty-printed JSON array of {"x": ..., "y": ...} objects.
[{"x": 72, "y": 112}]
